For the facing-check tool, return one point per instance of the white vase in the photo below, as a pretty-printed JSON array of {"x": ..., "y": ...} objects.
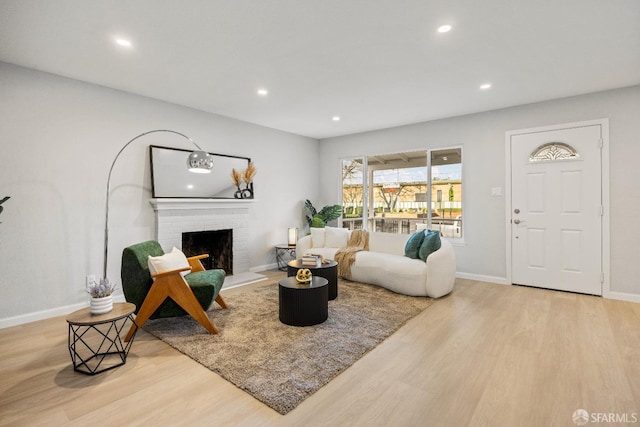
[{"x": 101, "y": 305}]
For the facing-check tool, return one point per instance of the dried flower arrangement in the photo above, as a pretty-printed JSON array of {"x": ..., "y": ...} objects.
[
  {"x": 245, "y": 176},
  {"x": 249, "y": 173},
  {"x": 236, "y": 177}
]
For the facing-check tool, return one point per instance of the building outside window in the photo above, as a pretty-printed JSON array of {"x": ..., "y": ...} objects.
[{"x": 394, "y": 192}]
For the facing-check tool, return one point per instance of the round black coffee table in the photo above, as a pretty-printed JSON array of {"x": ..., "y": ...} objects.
[
  {"x": 303, "y": 304},
  {"x": 329, "y": 271}
]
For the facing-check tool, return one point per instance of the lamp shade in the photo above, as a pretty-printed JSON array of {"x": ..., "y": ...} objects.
[
  {"x": 200, "y": 162},
  {"x": 293, "y": 236}
]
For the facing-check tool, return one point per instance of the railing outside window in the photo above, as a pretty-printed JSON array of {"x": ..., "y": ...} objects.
[{"x": 392, "y": 193}]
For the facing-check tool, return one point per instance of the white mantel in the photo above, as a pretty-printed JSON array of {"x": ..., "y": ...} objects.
[
  {"x": 181, "y": 204},
  {"x": 177, "y": 216}
]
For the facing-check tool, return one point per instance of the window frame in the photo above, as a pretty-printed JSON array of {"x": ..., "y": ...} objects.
[
  {"x": 367, "y": 188},
  {"x": 454, "y": 240}
]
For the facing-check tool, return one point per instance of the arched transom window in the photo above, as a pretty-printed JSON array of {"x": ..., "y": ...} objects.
[{"x": 553, "y": 151}]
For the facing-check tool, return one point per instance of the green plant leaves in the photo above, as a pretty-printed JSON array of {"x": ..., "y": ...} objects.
[
  {"x": 320, "y": 219},
  {"x": 4, "y": 199},
  {"x": 318, "y": 222},
  {"x": 310, "y": 211},
  {"x": 329, "y": 213}
]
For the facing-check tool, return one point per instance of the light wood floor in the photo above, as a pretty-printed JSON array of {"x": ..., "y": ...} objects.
[{"x": 487, "y": 354}]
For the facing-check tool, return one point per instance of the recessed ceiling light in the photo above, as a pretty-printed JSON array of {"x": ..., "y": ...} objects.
[
  {"x": 444, "y": 28},
  {"x": 485, "y": 86},
  {"x": 190, "y": 186},
  {"x": 263, "y": 92},
  {"x": 335, "y": 118},
  {"x": 123, "y": 43}
]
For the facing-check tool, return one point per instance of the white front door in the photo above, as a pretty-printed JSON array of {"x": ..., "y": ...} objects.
[{"x": 556, "y": 209}]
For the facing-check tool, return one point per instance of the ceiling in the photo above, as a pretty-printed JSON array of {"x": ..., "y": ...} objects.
[
  {"x": 409, "y": 159},
  {"x": 373, "y": 63}
]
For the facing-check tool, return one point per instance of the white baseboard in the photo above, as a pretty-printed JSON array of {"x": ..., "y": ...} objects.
[
  {"x": 47, "y": 314},
  {"x": 60, "y": 311},
  {"x": 622, "y": 296},
  {"x": 482, "y": 278}
]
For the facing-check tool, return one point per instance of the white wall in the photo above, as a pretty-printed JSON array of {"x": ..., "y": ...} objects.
[
  {"x": 58, "y": 137},
  {"x": 483, "y": 139}
]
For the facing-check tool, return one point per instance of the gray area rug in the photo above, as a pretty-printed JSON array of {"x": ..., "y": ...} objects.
[{"x": 282, "y": 365}]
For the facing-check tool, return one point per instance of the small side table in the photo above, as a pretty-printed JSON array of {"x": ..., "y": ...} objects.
[
  {"x": 303, "y": 304},
  {"x": 284, "y": 254},
  {"x": 329, "y": 271},
  {"x": 94, "y": 340}
]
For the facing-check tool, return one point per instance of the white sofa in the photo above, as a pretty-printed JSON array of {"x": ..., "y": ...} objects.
[{"x": 385, "y": 264}]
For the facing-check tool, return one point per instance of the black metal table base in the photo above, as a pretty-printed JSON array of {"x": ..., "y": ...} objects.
[
  {"x": 111, "y": 352},
  {"x": 284, "y": 254}
]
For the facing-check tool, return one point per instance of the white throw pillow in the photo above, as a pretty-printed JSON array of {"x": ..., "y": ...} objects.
[
  {"x": 336, "y": 237},
  {"x": 317, "y": 237},
  {"x": 169, "y": 261}
]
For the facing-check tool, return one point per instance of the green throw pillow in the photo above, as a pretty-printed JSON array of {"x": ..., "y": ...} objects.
[
  {"x": 430, "y": 244},
  {"x": 412, "y": 248}
]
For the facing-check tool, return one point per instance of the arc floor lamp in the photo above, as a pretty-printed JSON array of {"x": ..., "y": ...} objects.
[{"x": 198, "y": 161}]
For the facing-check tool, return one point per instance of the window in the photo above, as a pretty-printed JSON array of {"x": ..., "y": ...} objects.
[
  {"x": 446, "y": 183},
  {"x": 353, "y": 193},
  {"x": 394, "y": 192},
  {"x": 553, "y": 151}
]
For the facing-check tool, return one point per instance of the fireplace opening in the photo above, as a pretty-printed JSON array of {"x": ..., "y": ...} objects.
[{"x": 217, "y": 243}]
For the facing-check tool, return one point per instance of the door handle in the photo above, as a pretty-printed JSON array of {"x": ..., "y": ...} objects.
[{"x": 516, "y": 221}]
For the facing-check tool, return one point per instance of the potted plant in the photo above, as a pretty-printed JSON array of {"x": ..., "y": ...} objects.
[
  {"x": 320, "y": 219},
  {"x": 101, "y": 296}
]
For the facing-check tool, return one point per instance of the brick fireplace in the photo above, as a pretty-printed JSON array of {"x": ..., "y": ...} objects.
[{"x": 177, "y": 216}]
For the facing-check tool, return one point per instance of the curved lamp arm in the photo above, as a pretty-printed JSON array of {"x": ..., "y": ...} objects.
[{"x": 198, "y": 161}]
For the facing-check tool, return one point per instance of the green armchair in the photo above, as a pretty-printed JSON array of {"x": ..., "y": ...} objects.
[{"x": 168, "y": 296}]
